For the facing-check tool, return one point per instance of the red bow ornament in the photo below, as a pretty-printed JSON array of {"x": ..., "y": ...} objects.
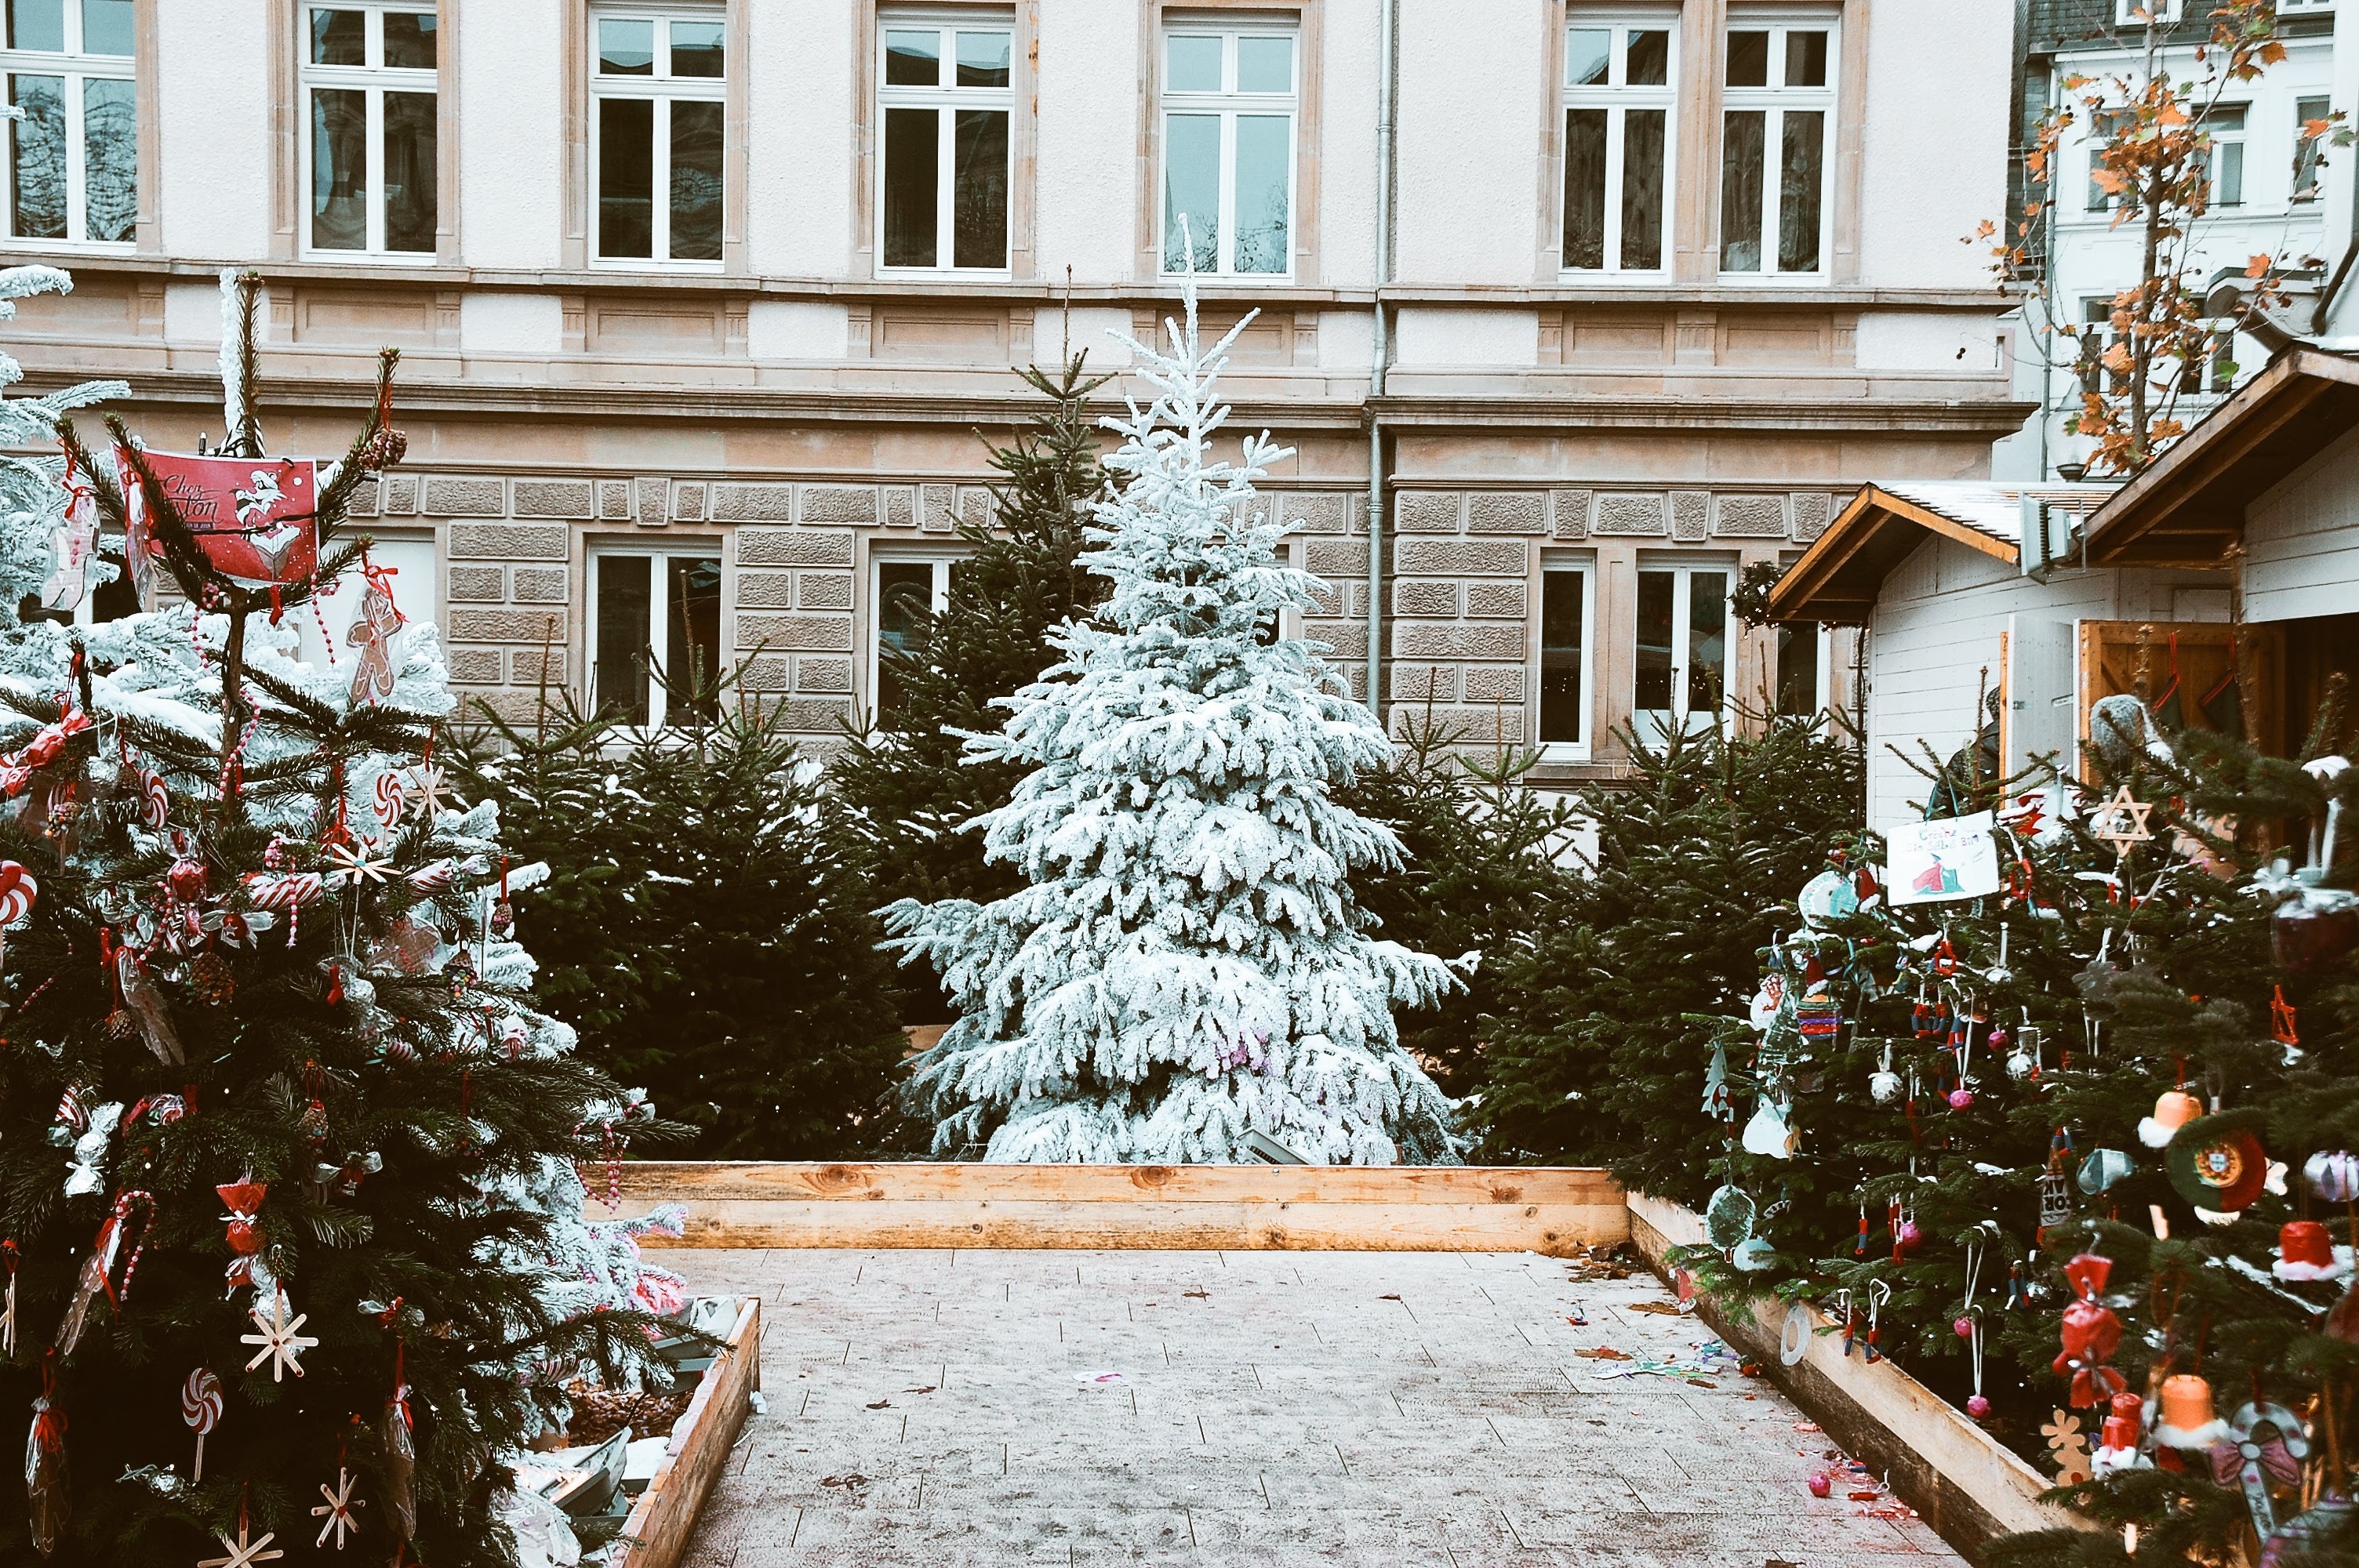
[
  {"x": 17, "y": 772},
  {"x": 244, "y": 1201}
]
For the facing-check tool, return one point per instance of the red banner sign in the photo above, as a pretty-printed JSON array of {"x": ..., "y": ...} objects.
[{"x": 257, "y": 519}]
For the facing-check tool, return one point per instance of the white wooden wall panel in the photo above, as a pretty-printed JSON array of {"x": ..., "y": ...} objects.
[{"x": 2301, "y": 540}]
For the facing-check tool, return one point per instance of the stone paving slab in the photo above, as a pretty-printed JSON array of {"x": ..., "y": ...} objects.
[{"x": 1374, "y": 1409}]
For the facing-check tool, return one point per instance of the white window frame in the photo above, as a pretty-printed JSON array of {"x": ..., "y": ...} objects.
[
  {"x": 1582, "y": 748},
  {"x": 1616, "y": 97},
  {"x": 941, "y": 560},
  {"x": 947, "y": 101},
  {"x": 686, "y": 547},
  {"x": 2166, "y": 11},
  {"x": 1229, "y": 103},
  {"x": 372, "y": 80},
  {"x": 2315, "y": 150},
  {"x": 664, "y": 90},
  {"x": 1822, "y": 693},
  {"x": 2237, "y": 135},
  {"x": 1774, "y": 102},
  {"x": 75, "y": 67},
  {"x": 1682, "y": 598}
]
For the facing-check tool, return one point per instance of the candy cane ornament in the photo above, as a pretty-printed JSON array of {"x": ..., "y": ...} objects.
[{"x": 201, "y": 1408}]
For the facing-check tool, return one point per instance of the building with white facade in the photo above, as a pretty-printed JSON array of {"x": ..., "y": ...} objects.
[
  {"x": 2273, "y": 193},
  {"x": 1571, "y": 311}
]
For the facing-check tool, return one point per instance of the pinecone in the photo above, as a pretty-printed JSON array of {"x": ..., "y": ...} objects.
[
  {"x": 314, "y": 1122},
  {"x": 121, "y": 1025},
  {"x": 383, "y": 449},
  {"x": 212, "y": 979}
]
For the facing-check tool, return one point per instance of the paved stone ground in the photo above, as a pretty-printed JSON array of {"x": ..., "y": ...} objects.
[{"x": 1420, "y": 1409}]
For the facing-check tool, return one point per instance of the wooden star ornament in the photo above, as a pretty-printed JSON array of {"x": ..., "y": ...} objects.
[
  {"x": 429, "y": 792},
  {"x": 2121, "y": 822},
  {"x": 243, "y": 1553},
  {"x": 281, "y": 1344},
  {"x": 337, "y": 1508}
]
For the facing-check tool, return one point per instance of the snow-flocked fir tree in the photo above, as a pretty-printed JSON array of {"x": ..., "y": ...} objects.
[
  {"x": 242, "y": 906},
  {"x": 1187, "y": 966}
]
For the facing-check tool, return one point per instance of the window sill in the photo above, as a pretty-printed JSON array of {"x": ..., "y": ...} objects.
[
  {"x": 1576, "y": 277},
  {"x": 371, "y": 258},
  {"x": 626, "y": 266},
  {"x": 77, "y": 247}
]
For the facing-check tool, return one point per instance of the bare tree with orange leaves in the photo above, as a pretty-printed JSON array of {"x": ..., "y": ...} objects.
[{"x": 2151, "y": 161}]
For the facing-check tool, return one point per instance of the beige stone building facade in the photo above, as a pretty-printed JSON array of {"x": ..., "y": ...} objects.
[{"x": 703, "y": 303}]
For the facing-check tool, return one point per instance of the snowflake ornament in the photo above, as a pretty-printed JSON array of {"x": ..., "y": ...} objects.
[
  {"x": 429, "y": 792},
  {"x": 281, "y": 1344},
  {"x": 357, "y": 863},
  {"x": 337, "y": 1508},
  {"x": 242, "y": 1552}
]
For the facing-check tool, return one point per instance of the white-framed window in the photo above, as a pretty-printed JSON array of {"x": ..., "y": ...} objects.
[
  {"x": 2135, "y": 13},
  {"x": 1229, "y": 100},
  {"x": 1777, "y": 130},
  {"x": 1620, "y": 86},
  {"x": 2224, "y": 159},
  {"x": 904, "y": 592},
  {"x": 2104, "y": 125},
  {"x": 1685, "y": 628},
  {"x": 73, "y": 138},
  {"x": 2309, "y": 152},
  {"x": 1567, "y": 617},
  {"x": 657, "y": 89},
  {"x": 369, "y": 140},
  {"x": 659, "y": 604},
  {"x": 946, "y": 97}
]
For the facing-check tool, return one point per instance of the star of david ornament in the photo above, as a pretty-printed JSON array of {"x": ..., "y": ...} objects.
[
  {"x": 281, "y": 1346},
  {"x": 337, "y": 1508},
  {"x": 243, "y": 1553},
  {"x": 2121, "y": 822}
]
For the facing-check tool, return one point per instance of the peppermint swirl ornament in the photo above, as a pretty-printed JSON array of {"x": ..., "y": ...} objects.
[{"x": 200, "y": 1411}]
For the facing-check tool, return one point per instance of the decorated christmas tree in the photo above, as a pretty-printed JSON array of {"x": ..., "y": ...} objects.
[
  {"x": 293, "y": 1239},
  {"x": 1184, "y": 967}
]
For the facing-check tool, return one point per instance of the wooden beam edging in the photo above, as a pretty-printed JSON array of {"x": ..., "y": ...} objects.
[
  {"x": 1556, "y": 1210},
  {"x": 1968, "y": 1486},
  {"x": 656, "y": 1534}
]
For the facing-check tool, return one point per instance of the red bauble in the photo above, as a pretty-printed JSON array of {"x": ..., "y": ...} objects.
[
  {"x": 1821, "y": 1485},
  {"x": 187, "y": 881}
]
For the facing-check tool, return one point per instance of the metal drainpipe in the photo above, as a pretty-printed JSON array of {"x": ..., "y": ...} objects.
[{"x": 1382, "y": 353}]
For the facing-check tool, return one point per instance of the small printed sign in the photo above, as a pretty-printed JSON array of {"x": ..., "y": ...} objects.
[{"x": 1935, "y": 862}]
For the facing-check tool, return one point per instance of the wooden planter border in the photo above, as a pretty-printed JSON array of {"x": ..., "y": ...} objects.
[
  {"x": 1965, "y": 1483},
  {"x": 1447, "y": 1209},
  {"x": 661, "y": 1523}
]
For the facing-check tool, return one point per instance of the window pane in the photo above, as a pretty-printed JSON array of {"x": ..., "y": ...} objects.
[
  {"x": 106, "y": 27},
  {"x": 1748, "y": 58},
  {"x": 1649, "y": 61},
  {"x": 38, "y": 172},
  {"x": 1707, "y": 641},
  {"x": 905, "y": 597},
  {"x": 692, "y": 636},
  {"x": 1560, "y": 649},
  {"x": 2308, "y": 151},
  {"x": 625, "y": 47},
  {"x": 339, "y": 37},
  {"x": 409, "y": 41},
  {"x": 1586, "y": 53},
  {"x": 622, "y": 628},
  {"x": 1654, "y": 690},
  {"x": 912, "y": 167},
  {"x": 37, "y": 25},
  {"x": 696, "y": 49},
  {"x": 1264, "y": 65},
  {"x": 626, "y": 175},
  {"x": 1642, "y": 188},
  {"x": 1195, "y": 64},
  {"x": 339, "y": 168},
  {"x": 110, "y": 158},
  {"x": 913, "y": 58},
  {"x": 1192, "y": 191},
  {"x": 1806, "y": 59},
  {"x": 2228, "y": 186},
  {"x": 1799, "y": 179},
  {"x": 410, "y": 169},
  {"x": 979, "y": 200},
  {"x": 1585, "y": 188},
  {"x": 1265, "y": 145},
  {"x": 1797, "y": 670},
  {"x": 1740, "y": 191},
  {"x": 983, "y": 59},
  {"x": 695, "y": 181}
]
